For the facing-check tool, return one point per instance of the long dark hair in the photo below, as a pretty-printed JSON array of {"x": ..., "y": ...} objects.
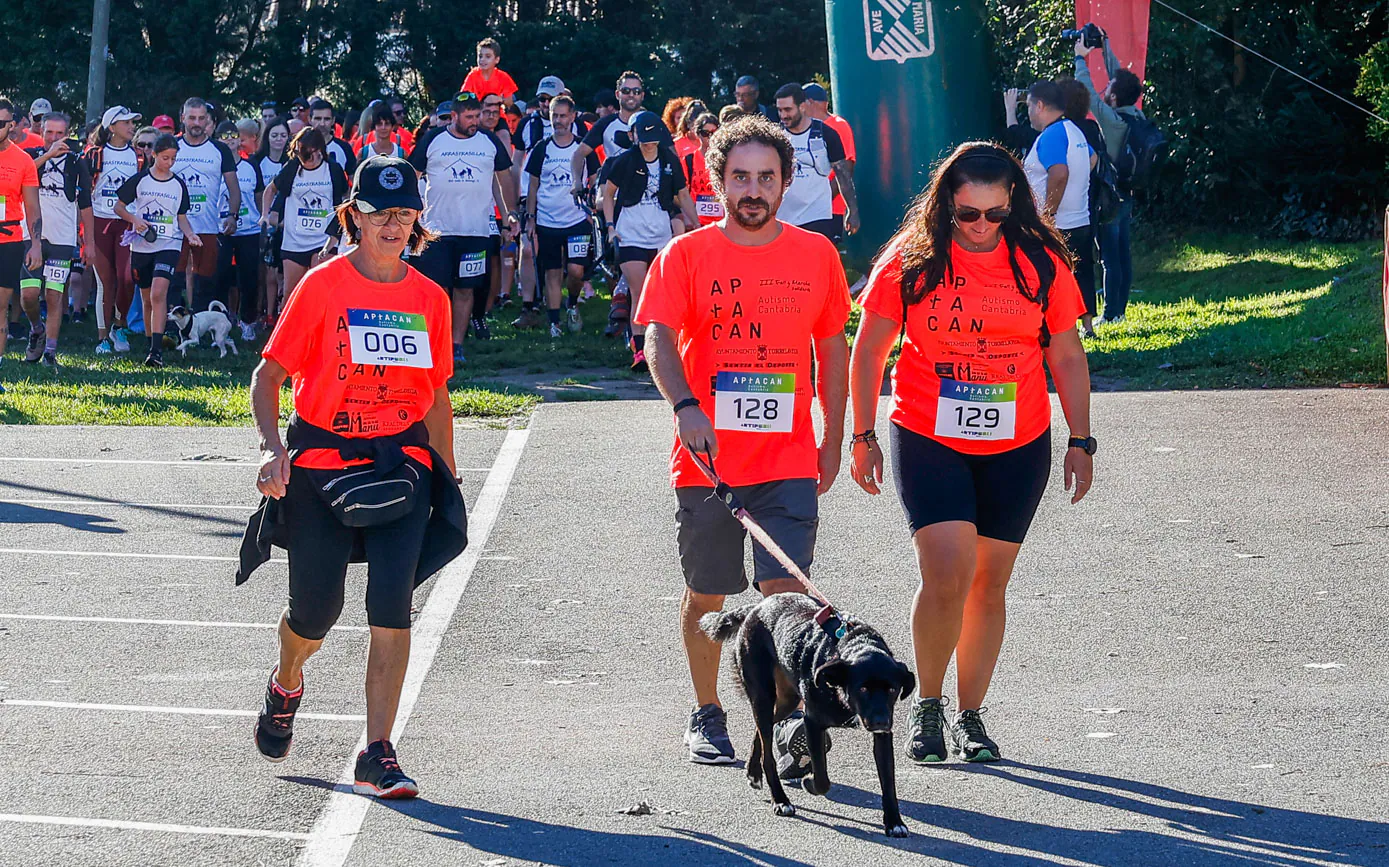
[
  {"x": 925, "y": 236},
  {"x": 264, "y": 150},
  {"x": 308, "y": 138}
]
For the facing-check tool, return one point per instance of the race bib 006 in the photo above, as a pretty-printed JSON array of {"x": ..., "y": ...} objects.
[
  {"x": 390, "y": 338},
  {"x": 755, "y": 402},
  {"x": 578, "y": 246},
  {"x": 976, "y": 411}
]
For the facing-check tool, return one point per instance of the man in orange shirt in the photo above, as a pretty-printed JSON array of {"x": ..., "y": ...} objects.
[
  {"x": 739, "y": 316},
  {"x": 486, "y": 78},
  {"x": 19, "y": 204},
  {"x": 817, "y": 105}
]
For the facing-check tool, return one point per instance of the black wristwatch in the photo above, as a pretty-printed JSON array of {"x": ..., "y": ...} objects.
[
  {"x": 686, "y": 404},
  {"x": 1086, "y": 444}
]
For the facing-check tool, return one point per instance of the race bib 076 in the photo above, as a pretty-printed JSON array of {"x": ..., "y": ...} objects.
[
  {"x": 755, "y": 402},
  {"x": 389, "y": 338},
  {"x": 473, "y": 264},
  {"x": 976, "y": 411}
]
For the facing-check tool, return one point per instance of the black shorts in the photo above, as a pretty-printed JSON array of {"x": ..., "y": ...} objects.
[
  {"x": 303, "y": 260},
  {"x": 558, "y": 247},
  {"x": 998, "y": 494},
  {"x": 456, "y": 261},
  {"x": 320, "y": 547},
  {"x": 58, "y": 265},
  {"x": 147, "y": 266},
  {"x": 829, "y": 228},
  {"x": 12, "y": 262},
  {"x": 635, "y": 254}
]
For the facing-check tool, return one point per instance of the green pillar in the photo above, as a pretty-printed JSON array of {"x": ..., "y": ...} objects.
[{"x": 912, "y": 77}]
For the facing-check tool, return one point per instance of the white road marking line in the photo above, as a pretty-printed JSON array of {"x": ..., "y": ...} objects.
[
  {"x": 187, "y": 711},
  {"x": 203, "y": 557},
  {"x": 336, "y": 829},
  {"x": 92, "y": 502},
  {"x": 144, "y": 621},
  {"x": 120, "y": 825},
  {"x": 153, "y": 463}
]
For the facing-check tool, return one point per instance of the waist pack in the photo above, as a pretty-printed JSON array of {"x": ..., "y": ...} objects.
[{"x": 358, "y": 497}]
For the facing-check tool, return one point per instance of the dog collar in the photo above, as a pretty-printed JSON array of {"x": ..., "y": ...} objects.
[{"x": 831, "y": 622}]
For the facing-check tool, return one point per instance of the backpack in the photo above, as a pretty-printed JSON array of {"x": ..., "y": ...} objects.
[
  {"x": 1104, "y": 190},
  {"x": 1145, "y": 148}
]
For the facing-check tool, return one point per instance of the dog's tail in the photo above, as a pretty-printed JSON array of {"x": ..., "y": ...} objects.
[
  {"x": 217, "y": 305},
  {"x": 723, "y": 625}
]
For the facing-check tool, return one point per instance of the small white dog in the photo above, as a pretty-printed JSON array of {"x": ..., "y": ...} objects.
[{"x": 192, "y": 326}]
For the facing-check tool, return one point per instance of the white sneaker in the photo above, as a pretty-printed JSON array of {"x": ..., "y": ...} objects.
[
  {"x": 119, "y": 341},
  {"x": 555, "y": 333},
  {"x": 248, "y": 332},
  {"x": 575, "y": 322}
]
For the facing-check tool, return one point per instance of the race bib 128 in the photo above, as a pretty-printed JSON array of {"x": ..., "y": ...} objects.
[
  {"x": 756, "y": 402},
  {"x": 976, "y": 411},
  {"x": 390, "y": 338}
]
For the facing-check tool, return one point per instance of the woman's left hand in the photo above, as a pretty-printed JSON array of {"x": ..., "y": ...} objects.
[
  {"x": 273, "y": 477},
  {"x": 1080, "y": 469},
  {"x": 867, "y": 461}
]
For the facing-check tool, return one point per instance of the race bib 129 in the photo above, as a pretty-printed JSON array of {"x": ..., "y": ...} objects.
[
  {"x": 976, "y": 411},
  {"x": 756, "y": 402},
  {"x": 390, "y": 338}
]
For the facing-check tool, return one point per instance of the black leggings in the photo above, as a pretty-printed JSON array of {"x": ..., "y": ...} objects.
[
  {"x": 320, "y": 547},
  {"x": 245, "y": 250},
  {"x": 1081, "y": 242}
]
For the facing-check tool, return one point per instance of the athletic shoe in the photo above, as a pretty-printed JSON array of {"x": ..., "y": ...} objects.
[
  {"x": 926, "y": 731},
  {"x": 528, "y": 319},
  {"x": 574, "y": 322},
  {"x": 588, "y": 293},
  {"x": 104, "y": 347},
  {"x": 379, "y": 774},
  {"x": 503, "y": 300},
  {"x": 155, "y": 358},
  {"x": 275, "y": 725},
  {"x": 50, "y": 361},
  {"x": 480, "y": 329},
  {"x": 970, "y": 740},
  {"x": 458, "y": 354},
  {"x": 555, "y": 333},
  {"x": 707, "y": 736},
  {"x": 35, "y": 349},
  {"x": 791, "y": 747},
  {"x": 120, "y": 339},
  {"x": 639, "y": 361},
  {"x": 248, "y": 332}
]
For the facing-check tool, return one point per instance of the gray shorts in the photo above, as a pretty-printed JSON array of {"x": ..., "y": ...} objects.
[{"x": 711, "y": 539}]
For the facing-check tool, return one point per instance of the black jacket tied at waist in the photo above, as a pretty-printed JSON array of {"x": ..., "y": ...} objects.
[{"x": 445, "y": 536}]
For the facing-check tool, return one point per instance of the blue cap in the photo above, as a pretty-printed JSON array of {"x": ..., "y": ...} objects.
[{"x": 815, "y": 92}]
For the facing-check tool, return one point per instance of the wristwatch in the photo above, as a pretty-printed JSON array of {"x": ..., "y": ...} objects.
[{"x": 1086, "y": 444}]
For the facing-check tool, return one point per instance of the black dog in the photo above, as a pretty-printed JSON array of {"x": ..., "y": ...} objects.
[{"x": 783, "y": 657}]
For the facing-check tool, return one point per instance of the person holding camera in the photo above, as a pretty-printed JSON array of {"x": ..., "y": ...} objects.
[{"x": 1111, "y": 107}]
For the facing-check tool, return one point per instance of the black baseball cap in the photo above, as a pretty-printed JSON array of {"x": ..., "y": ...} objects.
[
  {"x": 646, "y": 128},
  {"x": 385, "y": 182},
  {"x": 814, "y": 91},
  {"x": 299, "y": 102}
]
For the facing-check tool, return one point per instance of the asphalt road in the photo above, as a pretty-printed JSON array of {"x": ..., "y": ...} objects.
[{"x": 1193, "y": 674}]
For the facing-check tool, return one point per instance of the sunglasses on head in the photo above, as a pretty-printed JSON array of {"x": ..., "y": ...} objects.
[
  {"x": 972, "y": 215},
  {"x": 630, "y": 91}
]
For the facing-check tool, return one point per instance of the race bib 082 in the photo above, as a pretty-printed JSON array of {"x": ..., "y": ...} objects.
[
  {"x": 390, "y": 338},
  {"x": 578, "y": 246},
  {"x": 756, "y": 402},
  {"x": 976, "y": 411}
]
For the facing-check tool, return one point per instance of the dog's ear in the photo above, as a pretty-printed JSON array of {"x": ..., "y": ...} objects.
[
  {"x": 832, "y": 675},
  {"x": 907, "y": 681}
]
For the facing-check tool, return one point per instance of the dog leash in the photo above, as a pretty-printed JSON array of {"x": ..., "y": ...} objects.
[{"x": 827, "y": 617}]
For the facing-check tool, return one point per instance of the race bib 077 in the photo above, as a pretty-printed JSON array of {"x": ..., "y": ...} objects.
[
  {"x": 976, "y": 411},
  {"x": 389, "y": 338},
  {"x": 473, "y": 264},
  {"x": 755, "y": 402}
]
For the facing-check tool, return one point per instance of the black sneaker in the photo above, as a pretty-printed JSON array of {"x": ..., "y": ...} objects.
[
  {"x": 791, "y": 746},
  {"x": 155, "y": 358},
  {"x": 275, "y": 726},
  {"x": 480, "y": 329},
  {"x": 970, "y": 740},
  {"x": 379, "y": 774},
  {"x": 50, "y": 360},
  {"x": 926, "y": 733},
  {"x": 35, "y": 349},
  {"x": 707, "y": 736}
]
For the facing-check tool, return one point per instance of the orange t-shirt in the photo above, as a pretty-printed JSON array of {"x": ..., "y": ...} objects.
[
  {"x": 16, "y": 172},
  {"x": 846, "y": 135},
  {"x": 746, "y": 320},
  {"x": 970, "y": 374},
  {"x": 499, "y": 83},
  {"x": 708, "y": 205},
  {"x": 366, "y": 358},
  {"x": 31, "y": 140}
]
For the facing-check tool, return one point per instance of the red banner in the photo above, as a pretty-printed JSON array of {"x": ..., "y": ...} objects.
[{"x": 1126, "y": 23}]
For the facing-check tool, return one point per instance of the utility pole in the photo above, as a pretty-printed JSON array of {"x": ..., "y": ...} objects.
[{"x": 96, "y": 62}]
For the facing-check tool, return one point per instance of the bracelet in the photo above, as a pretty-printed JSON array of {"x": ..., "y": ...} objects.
[
  {"x": 686, "y": 404},
  {"x": 868, "y": 436}
]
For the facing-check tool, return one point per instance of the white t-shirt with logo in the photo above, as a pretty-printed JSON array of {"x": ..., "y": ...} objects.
[
  {"x": 249, "y": 179},
  {"x": 158, "y": 203},
  {"x": 118, "y": 165},
  {"x": 808, "y": 199},
  {"x": 201, "y": 168},
  {"x": 458, "y": 199},
  {"x": 555, "y": 205},
  {"x": 645, "y": 224},
  {"x": 1062, "y": 142},
  {"x": 309, "y": 205}
]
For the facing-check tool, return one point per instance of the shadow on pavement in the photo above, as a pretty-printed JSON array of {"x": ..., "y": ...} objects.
[
  {"x": 158, "y": 510},
  {"x": 1198, "y": 829},
  {"x": 13, "y": 513}
]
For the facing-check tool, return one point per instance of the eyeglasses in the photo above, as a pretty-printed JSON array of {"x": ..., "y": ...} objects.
[
  {"x": 972, "y": 215},
  {"x": 4, "y": 123},
  {"x": 403, "y": 216},
  {"x": 143, "y": 145},
  {"x": 705, "y": 133},
  {"x": 631, "y": 91},
  {"x": 543, "y": 97},
  {"x": 398, "y": 112}
]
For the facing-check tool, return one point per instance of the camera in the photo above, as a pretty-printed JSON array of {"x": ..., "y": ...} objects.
[{"x": 1091, "y": 33}]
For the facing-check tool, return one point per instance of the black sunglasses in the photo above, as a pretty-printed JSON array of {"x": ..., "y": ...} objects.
[
  {"x": 972, "y": 215},
  {"x": 705, "y": 133},
  {"x": 630, "y": 91}
]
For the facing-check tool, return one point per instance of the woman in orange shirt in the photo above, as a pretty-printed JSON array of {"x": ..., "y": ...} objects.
[{"x": 980, "y": 287}]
